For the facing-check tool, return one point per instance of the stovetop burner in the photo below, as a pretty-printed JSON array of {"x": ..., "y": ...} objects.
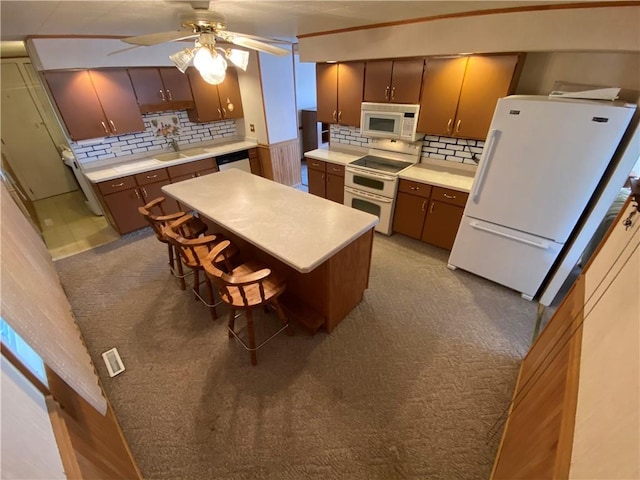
[{"x": 380, "y": 163}]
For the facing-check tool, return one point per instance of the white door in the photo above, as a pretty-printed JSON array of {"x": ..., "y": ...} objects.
[
  {"x": 26, "y": 142},
  {"x": 542, "y": 161}
]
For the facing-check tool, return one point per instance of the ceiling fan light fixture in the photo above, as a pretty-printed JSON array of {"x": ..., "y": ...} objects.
[
  {"x": 240, "y": 58},
  {"x": 212, "y": 67},
  {"x": 182, "y": 59}
]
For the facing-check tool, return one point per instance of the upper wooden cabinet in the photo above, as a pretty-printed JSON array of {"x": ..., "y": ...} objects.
[
  {"x": 459, "y": 94},
  {"x": 340, "y": 89},
  {"x": 215, "y": 102},
  {"x": 397, "y": 81},
  {"x": 95, "y": 103},
  {"x": 160, "y": 89}
]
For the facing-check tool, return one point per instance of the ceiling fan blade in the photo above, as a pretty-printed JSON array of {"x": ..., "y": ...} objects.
[
  {"x": 123, "y": 50},
  {"x": 257, "y": 45},
  {"x": 260, "y": 39},
  {"x": 162, "y": 37}
]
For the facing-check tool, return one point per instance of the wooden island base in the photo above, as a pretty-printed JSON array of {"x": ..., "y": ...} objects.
[{"x": 325, "y": 295}]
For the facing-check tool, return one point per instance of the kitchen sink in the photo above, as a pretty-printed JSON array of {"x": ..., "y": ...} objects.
[
  {"x": 170, "y": 156},
  {"x": 192, "y": 152}
]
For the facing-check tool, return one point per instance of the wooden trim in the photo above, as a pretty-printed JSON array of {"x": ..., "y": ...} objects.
[
  {"x": 15, "y": 361},
  {"x": 264, "y": 109},
  {"x": 476, "y": 13},
  {"x": 63, "y": 440}
]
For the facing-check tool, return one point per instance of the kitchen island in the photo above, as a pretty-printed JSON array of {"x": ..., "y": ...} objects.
[{"x": 322, "y": 248}]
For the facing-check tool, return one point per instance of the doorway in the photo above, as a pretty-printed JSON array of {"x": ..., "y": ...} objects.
[{"x": 31, "y": 143}]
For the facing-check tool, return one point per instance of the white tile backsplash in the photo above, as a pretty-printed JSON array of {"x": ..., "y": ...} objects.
[
  {"x": 459, "y": 150},
  {"x": 136, "y": 143}
]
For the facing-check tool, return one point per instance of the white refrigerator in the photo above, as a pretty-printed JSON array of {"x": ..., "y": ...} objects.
[{"x": 542, "y": 161}]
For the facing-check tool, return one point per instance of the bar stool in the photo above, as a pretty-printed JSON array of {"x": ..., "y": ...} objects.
[
  {"x": 193, "y": 252},
  {"x": 154, "y": 214},
  {"x": 245, "y": 287}
]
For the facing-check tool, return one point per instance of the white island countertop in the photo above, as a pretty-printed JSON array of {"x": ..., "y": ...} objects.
[
  {"x": 300, "y": 229},
  {"x": 111, "y": 171}
]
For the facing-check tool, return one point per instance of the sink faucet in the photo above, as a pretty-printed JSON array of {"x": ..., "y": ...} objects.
[{"x": 174, "y": 144}]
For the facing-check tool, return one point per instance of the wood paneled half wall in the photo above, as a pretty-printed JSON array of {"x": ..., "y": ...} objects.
[{"x": 280, "y": 162}]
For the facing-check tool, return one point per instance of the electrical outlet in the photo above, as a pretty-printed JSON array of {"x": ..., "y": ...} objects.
[{"x": 252, "y": 127}]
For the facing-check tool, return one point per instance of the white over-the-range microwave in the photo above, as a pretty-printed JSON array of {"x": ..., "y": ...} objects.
[{"x": 390, "y": 120}]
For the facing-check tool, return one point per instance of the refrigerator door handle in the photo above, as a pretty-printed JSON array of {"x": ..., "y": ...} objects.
[
  {"x": 542, "y": 245},
  {"x": 484, "y": 166}
]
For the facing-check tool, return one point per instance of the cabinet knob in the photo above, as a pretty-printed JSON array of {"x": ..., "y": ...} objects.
[
  {"x": 106, "y": 130},
  {"x": 431, "y": 208},
  {"x": 449, "y": 196},
  {"x": 334, "y": 116},
  {"x": 220, "y": 113},
  {"x": 135, "y": 190},
  {"x": 393, "y": 93},
  {"x": 162, "y": 95},
  {"x": 340, "y": 116},
  {"x": 386, "y": 93},
  {"x": 414, "y": 188},
  {"x": 113, "y": 126},
  {"x": 449, "y": 125},
  {"x": 149, "y": 177},
  {"x": 144, "y": 192},
  {"x": 169, "y": 94},
  {"x": 424, "y": 204},
  {"x": 116, "y": 185},
  {"x": 458, "y": 126}
]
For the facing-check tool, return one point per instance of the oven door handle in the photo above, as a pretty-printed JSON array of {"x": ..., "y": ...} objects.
[
  {"x": 361, "y": 194},
  {"x": 370, "y": 174}
]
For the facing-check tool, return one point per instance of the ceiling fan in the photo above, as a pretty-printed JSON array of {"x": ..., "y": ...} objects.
[{"x": 207, "y": 27}]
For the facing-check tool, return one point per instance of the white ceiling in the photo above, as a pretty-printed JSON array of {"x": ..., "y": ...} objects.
[{"x": 276, "y": 19}]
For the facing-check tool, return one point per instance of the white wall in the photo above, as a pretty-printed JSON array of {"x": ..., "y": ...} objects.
[
  {"x": 305, "y": 84},
  {"x": 278, "y": 91}
]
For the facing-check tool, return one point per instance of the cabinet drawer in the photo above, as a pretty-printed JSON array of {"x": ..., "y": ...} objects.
[
  {"x": 117, "y": 185},
  {"x": 152, "y": 176},
  {"x": 335, "y": 169},
  {"x": 316, "y": 164},
  {"x": 191, "y": 167},
  {"x": 454, "y": 197},
  {"x": 414, "y": 188},
  {"x": 193, "y": 175}
]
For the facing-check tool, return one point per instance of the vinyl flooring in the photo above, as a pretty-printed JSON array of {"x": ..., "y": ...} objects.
[{"x": 68, "y": 226}]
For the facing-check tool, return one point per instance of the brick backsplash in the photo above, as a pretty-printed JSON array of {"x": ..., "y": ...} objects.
[
  {"x": 460, "y": 150},
  {"x": 137, "y": 143}
]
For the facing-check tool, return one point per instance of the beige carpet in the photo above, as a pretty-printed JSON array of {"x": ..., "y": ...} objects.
[{"x": 408, "y": 385}]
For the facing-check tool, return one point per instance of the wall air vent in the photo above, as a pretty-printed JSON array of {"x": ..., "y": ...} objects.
[{"x": 113, "y": 362}]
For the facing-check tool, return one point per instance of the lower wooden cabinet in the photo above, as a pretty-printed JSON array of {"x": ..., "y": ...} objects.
[
  {"x": 326, "y": 180},
  {"x": 428, "y": 213}
]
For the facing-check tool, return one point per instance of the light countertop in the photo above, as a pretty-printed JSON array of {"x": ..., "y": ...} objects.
[
  {"x": 299, "y": 229},
  {"x": 441, "y": 174},
  {"x": 116, "y": 170},
  {"x": 333, "y": 155}
]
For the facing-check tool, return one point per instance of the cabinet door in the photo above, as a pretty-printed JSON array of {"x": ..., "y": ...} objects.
[
  {"x": 229, "y": 93},
  {"x": 205, "y": 98},
  {"x": 377, "y": 81},
  {"x": 77, "y": 103},
  {"x": 350, "y": 91},
  {"x": 335, "y": 188},
  {"x": 406, "y": 81},
  {"x": 176, "y": 88},
  {"x": 149, "y": 89},
  {"x": 118, "y": 101},
  {"x": 487, "y": 79},
  {"x": 317, "y": 182},
  {"x": 327, "y": 92},
  {"x": 441, "y": 86},
  {"x": 409, "y": 214},
  {"x": 124, "y": 210},
  {"x": 441, "y": 224}
]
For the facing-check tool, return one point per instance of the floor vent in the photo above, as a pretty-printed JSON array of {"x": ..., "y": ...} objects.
[{"x": 113, "y": 362}]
